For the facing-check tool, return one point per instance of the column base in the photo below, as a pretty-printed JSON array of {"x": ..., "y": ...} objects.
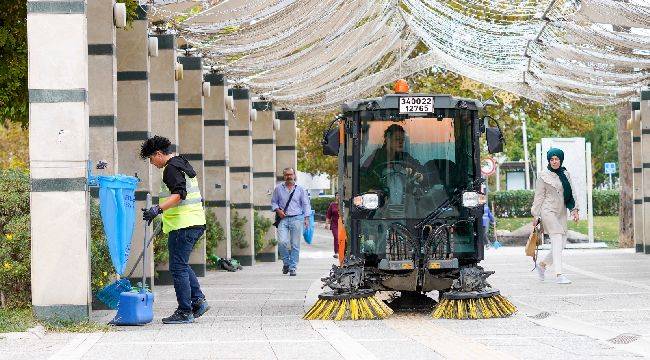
[
  {"x": 647, "y": 249},
  {"x": 639, "y": 248},
  {"x": 266, "y": 257},
  {"x": 75, "y": 313},
  {"x": 244, "y": 260}
]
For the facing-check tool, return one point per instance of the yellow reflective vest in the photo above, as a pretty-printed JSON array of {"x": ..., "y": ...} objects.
[{"x": 188, "y": 212}]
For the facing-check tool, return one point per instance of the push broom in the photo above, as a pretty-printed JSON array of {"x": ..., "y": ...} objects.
[
  {"x": 346, "y": 302},
  {"x": 472, "y": 297},
  {"x": 110, "y": 294}
]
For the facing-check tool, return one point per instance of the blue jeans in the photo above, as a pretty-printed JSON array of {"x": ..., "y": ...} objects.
[
  {"x": 289, "y": 234},
  {"x": 180, "y": 243}
]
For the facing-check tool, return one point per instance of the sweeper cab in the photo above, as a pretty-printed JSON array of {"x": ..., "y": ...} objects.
[{"x": 411, "y": 205}]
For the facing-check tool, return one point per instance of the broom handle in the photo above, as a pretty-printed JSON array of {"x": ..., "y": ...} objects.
[
  {"x": 144, "y": 247},
  {"x": 156, "y": 231}
]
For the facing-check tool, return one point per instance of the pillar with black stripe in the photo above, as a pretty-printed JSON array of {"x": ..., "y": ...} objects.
[
  {"x": 240, "y": 141},
  {"x": 134, "y": 126},
  {"x": 190, "y": 135},
  {"x": 644, "y": 109},
  {"x": 58, "y": 138},
  {"x": 637, "y": 177},
  {"x": 164, "y": 116},
  {"x": 285, "y": 142},
  {"x": 217, "y": 170},
  {"x": 102, "y": 87},
  {"x": 264, "y": 173}
]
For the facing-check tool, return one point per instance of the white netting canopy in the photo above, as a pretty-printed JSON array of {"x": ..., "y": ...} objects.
[{"x": 314, "y": 54}]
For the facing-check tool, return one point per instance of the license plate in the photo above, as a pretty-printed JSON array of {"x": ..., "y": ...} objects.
[{"x": 416, "y": 104}]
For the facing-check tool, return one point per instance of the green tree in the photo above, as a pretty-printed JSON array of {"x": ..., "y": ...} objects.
[
  {"x": 13, "y": 62},
  {"x": 604, "y": 144},
  {"x": 310, "y": 152}
]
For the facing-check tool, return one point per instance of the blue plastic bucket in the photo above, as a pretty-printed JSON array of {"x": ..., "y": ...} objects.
[{"x": 117, "y": 207}]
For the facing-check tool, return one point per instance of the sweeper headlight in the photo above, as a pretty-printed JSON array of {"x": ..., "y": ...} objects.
[
  {"x": 369, "y": 201},
  {"x": 472, "y": 199}
]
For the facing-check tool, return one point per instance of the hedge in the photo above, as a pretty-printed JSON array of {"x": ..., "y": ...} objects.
[
  {"x": 517, "y": 203},
  {"x": 320, "y": 205}
]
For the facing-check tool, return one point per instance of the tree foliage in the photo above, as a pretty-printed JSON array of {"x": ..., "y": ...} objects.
[
  {"x": 310, "y": 152},
  {"x": 542, "y": 120},
  {"x": 13, "y": 62},
  {"x": 14, "y": 146}
]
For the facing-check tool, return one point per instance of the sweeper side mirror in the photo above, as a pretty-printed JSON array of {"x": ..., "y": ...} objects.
[
  {"x": 331, "y": 142},
  {"x": 494, "y": 136}
]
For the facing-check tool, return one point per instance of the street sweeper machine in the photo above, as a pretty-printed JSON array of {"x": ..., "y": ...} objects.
[{"x": 411, "y": 202}]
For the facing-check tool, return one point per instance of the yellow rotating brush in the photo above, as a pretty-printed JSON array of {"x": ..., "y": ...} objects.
[
  {"x": 362, "y": 305},
  {"x": 473, "y": 305}
]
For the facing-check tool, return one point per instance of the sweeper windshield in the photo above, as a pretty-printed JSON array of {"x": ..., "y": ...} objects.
[{"x": 414, "y": 164}]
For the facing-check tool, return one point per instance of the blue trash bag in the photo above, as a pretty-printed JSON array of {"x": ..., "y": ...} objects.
[
  {"x": 117, "y": 207},
  {"x": 308, "y": 232}
]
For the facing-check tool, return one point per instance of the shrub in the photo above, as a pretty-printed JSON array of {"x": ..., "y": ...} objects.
[
  {"x": 101, "y": 268},
  {"x": 517, "y": 203},
  {"x": 513, "y": 203},
  {"x": 237, "y": 233},
  {"x": 15, "y": 242},
  {"x": 160, "y": 250},
  {"x": 320, "y": 205},
  {"x": 262, "y": 226},
  {"x": 606, "y": 202},
  {"x": 214, "y": 232}
]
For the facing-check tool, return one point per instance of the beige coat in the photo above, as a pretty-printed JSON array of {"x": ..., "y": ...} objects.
[{"x": 549, "y": 202}]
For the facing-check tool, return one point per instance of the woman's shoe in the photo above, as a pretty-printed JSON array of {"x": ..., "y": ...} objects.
[
  {"x": 336, "y": 256},
  {"x": 561, "y": 279},
  {"x": 540, "y": 272}
]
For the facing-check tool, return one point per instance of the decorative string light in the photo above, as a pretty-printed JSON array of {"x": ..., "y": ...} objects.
[{"x": 315, "y": 54}]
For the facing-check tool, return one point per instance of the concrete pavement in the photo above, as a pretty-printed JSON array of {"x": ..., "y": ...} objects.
[{"x": 256, "y": 314}]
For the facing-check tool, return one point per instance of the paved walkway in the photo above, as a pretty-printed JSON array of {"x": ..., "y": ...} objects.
[{"x": 256, "y": 314}]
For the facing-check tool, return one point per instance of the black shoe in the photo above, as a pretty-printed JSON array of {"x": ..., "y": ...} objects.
[
  {"x": 285, "y": 269},
  {"x": 179, "y": 317},
  {"x": 292, "y": 273},
  {"x": 200, "y": 308}
]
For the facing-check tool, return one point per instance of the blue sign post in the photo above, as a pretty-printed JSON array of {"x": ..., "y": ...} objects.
[{"x": 610, "y": 168}]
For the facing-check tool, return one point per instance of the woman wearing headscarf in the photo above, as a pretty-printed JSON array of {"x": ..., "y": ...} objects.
[{"x": 554, "y": 194}]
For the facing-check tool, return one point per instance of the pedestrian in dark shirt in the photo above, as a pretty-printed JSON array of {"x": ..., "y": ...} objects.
[
  {"x": 183, "y": 219},
  {"x": 332, "y": 222}
]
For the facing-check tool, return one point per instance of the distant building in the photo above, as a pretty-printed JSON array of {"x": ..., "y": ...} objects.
[{"x": 316, "y": 185}]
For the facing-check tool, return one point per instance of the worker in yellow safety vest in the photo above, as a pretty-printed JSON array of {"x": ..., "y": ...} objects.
[{"x": 183, "y": 219}]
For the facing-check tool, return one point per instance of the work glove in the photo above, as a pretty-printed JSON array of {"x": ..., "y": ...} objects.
[{"x": 149, "y": 214}]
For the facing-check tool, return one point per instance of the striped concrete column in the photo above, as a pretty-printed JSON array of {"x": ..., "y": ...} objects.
[
  {"x": 190, "y": 135},
  {"x": 58, "y": 153},
  {"x": 241, "y": 175},
  {"x": 637, "y": 180},
  {"x": 164, "y": 91},
  {"x": 264, "y": 172},
  {"x": 164, "y": 116},
  {"x": 102, "y": 87},
  {"x": 285, "y": 142},
  {"x": 134, "y": 126},
  {"x": 645, "y": 146},
  {"x": 217, "y": 169}
]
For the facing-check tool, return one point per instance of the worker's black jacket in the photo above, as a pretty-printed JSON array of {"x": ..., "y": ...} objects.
[{"x": 173, "y": 175}]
